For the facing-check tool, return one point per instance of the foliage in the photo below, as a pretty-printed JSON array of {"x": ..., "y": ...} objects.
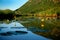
[
  {"x": 34, "y": 6},
  {"x": 6, "y": 14},
  {"x": 7, "y": 11}
]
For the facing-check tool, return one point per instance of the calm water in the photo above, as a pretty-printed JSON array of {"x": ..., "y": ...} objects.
[
  {"x": 9, "y": 32},
  {"x": 27, "y": 28}
]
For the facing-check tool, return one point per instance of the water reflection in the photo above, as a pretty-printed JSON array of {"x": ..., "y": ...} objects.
[
  {"x": 45, "y": 26},
  {"x": 16, "y": 31},
  {"x": 10, "y": 33},
  {"x": 33, "y": 27}
]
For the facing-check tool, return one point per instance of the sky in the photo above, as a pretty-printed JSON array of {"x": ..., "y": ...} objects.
[{"x": 11, "y": 4}]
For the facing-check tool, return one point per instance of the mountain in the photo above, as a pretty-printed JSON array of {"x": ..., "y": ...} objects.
[
  {"x": 39, "y": 7},
  {"x": 6, "y": 11}
]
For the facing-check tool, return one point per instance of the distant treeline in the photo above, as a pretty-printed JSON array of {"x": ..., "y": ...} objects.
[{"x": 6, "y": 14}]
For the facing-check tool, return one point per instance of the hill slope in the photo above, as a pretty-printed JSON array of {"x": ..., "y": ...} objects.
[{"x": 37, "y": 6}]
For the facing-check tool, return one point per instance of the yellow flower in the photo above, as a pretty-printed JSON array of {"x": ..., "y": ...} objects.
[
  {"x": 42, "y": 25},
  {"x": 42, "y": 19}
]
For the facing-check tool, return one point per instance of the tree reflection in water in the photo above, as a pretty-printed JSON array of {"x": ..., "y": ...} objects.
[{"x": 45, "y": 26}]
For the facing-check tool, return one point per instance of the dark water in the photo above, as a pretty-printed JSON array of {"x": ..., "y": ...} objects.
[{"x": 29, "y": 28}]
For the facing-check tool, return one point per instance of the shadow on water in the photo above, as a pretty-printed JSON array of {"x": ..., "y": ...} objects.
[
  {"x": 10, "y": 33},
  {"x": 13, "y": 28}
]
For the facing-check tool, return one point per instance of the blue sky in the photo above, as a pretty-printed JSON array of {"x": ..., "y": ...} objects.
[{"x": 11, "y": 4}]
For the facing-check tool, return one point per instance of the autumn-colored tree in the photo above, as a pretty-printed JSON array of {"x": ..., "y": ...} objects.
[{"x": 56, "y": 1}]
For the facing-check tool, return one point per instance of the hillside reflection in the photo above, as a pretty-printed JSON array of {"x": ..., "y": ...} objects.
[
  {"x": 14, "y": 30},
  {"x": 48, "y": 27}
]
